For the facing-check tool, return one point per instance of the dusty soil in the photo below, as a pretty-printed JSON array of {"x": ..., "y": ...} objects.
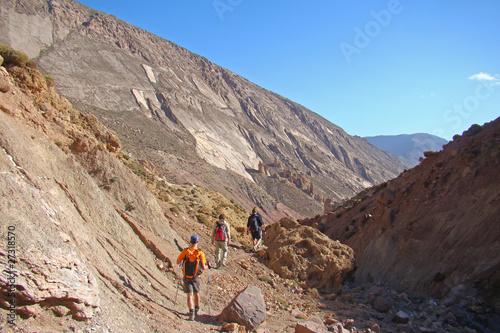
[{"x": 244, "y": 268}]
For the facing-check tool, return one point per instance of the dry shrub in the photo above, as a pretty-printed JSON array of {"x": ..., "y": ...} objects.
[{"x": 13, "y": 57}]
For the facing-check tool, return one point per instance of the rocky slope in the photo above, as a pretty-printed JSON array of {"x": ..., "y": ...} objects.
[
  {"x": 408, "y": 147},
  {"x": 86, "y": 245},
  {"x": 434, "y": 229},
  {"x": 197, "y": 122},
  {"x": 305, "y": 254},
  {"x": 93, "y": 233}
]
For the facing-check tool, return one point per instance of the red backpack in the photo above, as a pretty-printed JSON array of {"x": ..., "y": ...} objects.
[{"x": 220, "y": 232}]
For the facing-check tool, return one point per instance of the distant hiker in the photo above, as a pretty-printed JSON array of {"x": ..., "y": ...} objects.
[
  {"x": 221, "y": 237},
  {"x": 192, "y": 258},
  {"x": 255, "y": 225}
]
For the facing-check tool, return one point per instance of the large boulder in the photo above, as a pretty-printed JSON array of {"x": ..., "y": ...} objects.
[
  {"x": 304, "y": 253},
  {"x": 247, "y": 309}
]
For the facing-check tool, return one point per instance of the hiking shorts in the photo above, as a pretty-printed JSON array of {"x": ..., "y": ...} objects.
[
  {"x": 257, "y": 234},
  {"x": 192, "y": 285}
]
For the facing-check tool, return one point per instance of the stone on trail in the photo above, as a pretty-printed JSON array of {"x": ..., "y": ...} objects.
[
  {"x": 311, "y": 326},
  {"x": 247, "y": 309}
]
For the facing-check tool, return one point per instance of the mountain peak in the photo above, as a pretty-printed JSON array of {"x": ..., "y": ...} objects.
[{"x": 408, "y": 147}]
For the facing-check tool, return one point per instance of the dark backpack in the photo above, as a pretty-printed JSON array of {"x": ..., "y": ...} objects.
[
  {"x": 254, "y": 223},
  {"x": 192, "y": 264},
  {"x": 220, "y": 232}
]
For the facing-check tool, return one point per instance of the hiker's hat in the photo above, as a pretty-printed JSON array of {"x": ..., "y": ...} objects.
[{"x": 194, "y": 239}]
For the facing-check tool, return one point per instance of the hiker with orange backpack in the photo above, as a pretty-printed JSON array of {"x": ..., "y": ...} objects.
[
  {"x": 193, "y": 263},
  {"x": 221, "y": 237}
]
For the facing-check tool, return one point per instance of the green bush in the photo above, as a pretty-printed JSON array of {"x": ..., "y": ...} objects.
[
  {"x": 429, "y": 153},
  {"x": 474, "y": 129},
  {"x": 469, "y": 154}
]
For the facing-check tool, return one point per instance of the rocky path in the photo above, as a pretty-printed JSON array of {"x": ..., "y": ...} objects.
[{"x": 358, "y": 308}]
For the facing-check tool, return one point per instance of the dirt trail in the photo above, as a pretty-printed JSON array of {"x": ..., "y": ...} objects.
[{"x": 243, "y": 268}]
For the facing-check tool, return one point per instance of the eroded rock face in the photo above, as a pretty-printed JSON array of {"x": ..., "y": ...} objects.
[
  {"x": 435, "y": 227},
  {"x": 57, "y": 280},
  {"x": 303, "y": 253},
  {"x": 78, "y": 250},
  {"x": 194, "y": 115}
]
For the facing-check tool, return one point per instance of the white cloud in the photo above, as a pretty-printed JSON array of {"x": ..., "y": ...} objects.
[
  {"x": 431, "y": 95},
  {"x": 484, "y": 77}
]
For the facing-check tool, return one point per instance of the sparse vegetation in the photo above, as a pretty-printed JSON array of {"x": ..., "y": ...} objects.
[
  {"x": 202, "y": 218},
  {"x": 13, "y": 57},
  {"x": 474, "y": 129},
  {"x": 265, "y": 278},
  {"x": 50, "y": 81},
  {"x": 429, "y": 153},
  {"x": 350, "y": 233},
  {"x": 470, "y": 153},
  {"x": 130, "y": 206}
]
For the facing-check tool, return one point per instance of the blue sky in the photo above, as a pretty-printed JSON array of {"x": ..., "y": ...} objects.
[{"x": 371, "y": 67}]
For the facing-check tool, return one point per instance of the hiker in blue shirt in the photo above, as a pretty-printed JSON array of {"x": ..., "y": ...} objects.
[{"x": 193, "y": 263}]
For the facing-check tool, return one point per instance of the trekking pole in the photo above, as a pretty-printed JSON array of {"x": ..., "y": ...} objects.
[
  {"x": 208, "y": 284},
  {"x": 177, "y": 292}
]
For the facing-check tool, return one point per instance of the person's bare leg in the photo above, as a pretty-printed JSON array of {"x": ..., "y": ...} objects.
[
  {"x": 197, "y": 300},
  {"x": 190, "y": 301}
]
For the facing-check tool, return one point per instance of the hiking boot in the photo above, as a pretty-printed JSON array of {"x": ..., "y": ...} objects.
[{"x": 191, "y": 315}]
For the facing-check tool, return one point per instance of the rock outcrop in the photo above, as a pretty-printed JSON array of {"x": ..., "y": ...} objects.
[
  {"x": 74, "y": 249},
  {"x": 303, "y": 253},
  {"x": 432, "y": 231}
]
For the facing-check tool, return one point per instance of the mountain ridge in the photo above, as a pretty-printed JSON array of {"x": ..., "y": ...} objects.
[
  {"x": 232, "y": 124},
  {"x": 408, "y": 147}
]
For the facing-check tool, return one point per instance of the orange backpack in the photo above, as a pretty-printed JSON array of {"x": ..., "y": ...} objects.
[{"x": 191, "y": 264}]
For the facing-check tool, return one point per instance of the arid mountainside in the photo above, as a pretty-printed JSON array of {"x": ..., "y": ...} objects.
[
  {"x": 197, "y": 122},
  {"x": 65, "y": 197},
  {"x": 89, "y": 235},
  {"x": 434, "y": 230}
]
